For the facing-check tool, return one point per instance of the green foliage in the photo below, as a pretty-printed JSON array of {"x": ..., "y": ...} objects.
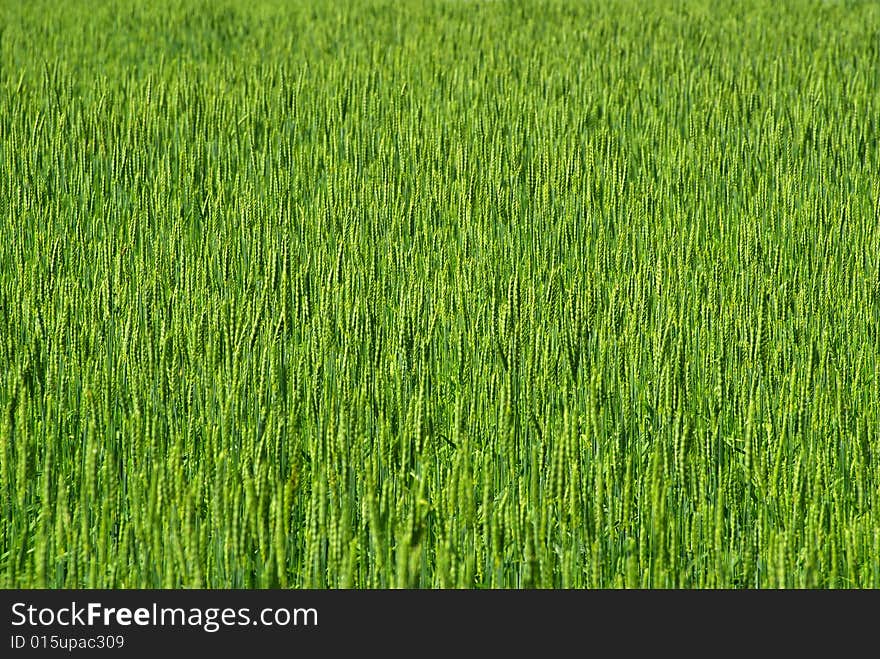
[{"x": 439, "y": 294}]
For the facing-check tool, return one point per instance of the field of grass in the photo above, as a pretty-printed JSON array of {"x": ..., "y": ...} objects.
[{"x": 440, "y": 294}]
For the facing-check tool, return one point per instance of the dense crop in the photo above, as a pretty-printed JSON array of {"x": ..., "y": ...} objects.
[{"x": 446, "y": 294}]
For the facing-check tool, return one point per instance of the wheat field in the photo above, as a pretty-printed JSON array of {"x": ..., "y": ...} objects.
[{"x": 440, "y": 294}]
